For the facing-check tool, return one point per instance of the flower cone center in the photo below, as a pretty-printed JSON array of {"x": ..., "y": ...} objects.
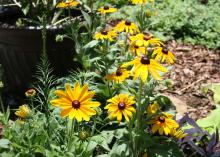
[
  {"x": 121, "y": 105},
  {"x": 145, "y": 60},
  {"x": 165, "y": 50},
  {"x": 118, "y": 72},
  {"x": 161, "y": 119},
  {"x": 104, "y": 32},
  {"x": 128, "y": 23},
  {"x": 76, "y": 104},
  {"x": 106, "y": 7}
]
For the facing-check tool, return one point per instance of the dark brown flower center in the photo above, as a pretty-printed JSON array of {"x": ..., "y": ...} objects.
[
  {"x": 145, "y": 60},
  {"x": 165, "y": 50},
  {"x": 118, "y": 72},
  {"x": 104, "y": 32},
  {"x": 128, "y": 23},
  {"x": 161, "y": 119},
  {"x": 106, "y": 7},
  {"x": 136, "y": 47},
  {"x": 76, "y": 104},
  {"x": 121, "y": 106}
]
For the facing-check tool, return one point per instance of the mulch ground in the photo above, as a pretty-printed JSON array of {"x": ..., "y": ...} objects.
[{"x": 195, "y": 66}]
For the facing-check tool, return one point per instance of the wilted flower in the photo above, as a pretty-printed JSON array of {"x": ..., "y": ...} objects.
[
  {"x": 30, "y": 93},
  {"x": 121, "y": 105},
  {"x": 106, "y": 9},
  {"x": 164, "y": 124},
  {"x": 76, "y": 103}
]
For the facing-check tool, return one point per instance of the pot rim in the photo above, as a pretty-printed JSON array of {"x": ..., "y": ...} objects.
[{"x": 4, "y": 25}]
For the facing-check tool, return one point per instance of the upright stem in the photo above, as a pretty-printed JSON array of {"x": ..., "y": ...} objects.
[
  {"x": 138, "y": 121},
  {"x": 1, "y": 102},
  {"x": 70, "y": 130}
]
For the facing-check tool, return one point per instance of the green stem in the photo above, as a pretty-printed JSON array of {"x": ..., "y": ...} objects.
[
  {"x": 70, "y": 130},
  {"x": 1, "y": 102},
  {"x": 138, "y": 120}
]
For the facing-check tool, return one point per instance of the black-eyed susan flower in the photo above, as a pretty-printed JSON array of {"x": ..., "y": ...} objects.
[
  {"x": 178, "y": 133},
  {"x": 126, "y": 26},
  {"x": 30, "y": 93},
  {"x": 67, "y": 4},
  {"x": 105, "y": 35},
  {"x": 163, "y": 54},
  {"x": 119, "y": 75},
  {"x": 137, "y": 49},
  {"x": 141, "y": 1},
  {"x": 121, "y": 105},
  {"x": 23, "y": 112},
  {"x": 164, "y": 124},
  {"x": 76, "y": 103},
  {"x": 153, "y": 108},
  {"x": 106, "y": 9},
  {"x": 146, "y": 40},
  {"x": 143, "y": 65}
]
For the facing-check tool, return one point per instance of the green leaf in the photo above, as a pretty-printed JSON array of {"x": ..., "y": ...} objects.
[
  {"x": 87, "y": 18},
  {"x": 4, "y": 143},
  {"x": 91, "y": 44},
  {"x": 215, "y": 87},
  {"x": 211, "y": 122}
]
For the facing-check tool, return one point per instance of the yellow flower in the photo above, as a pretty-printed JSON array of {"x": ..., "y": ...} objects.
[
  {"x": 137, "y": 49},
  {"x": 119, "y": 76},
  {"x": 146, "y": 40},
  {"x": 140, "y": 1},
  {"x": 23, "y": 112},
  {"x": 143, "y": 65},
  {"x": 153, "y": 108},
  {"x": 121, "y": 105},
  {"x": 164, "y": 124},
  {"x": 30, "y": 93},
  {"x": 178, "y": 133},
  {"x": 106, "y": 9},
  {"x": 105, "y": 35},
  {"x": 70, "y": 3},
  {"x": 163, "y": 54},
  {"x": 127, "y": 26},
  {"x": 76, "y": 103}
]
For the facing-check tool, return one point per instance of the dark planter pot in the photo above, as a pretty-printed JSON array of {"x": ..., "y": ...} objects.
[{"x": 20, "y": 50}]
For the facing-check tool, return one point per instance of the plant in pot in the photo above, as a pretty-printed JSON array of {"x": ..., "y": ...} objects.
[{"x": 21, "y": 40}]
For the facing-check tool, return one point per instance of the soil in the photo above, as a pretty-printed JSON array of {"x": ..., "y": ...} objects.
[{"x": 195, "y": 66}]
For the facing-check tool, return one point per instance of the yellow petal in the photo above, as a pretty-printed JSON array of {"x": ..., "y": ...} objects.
[
  {"x": 69, "y": 91},
  {"x": 65, "y": 112}
]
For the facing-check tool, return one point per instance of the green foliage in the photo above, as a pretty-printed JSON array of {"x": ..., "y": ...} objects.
[
  {"x": 215, "y": 88},
  {"x": 185, "y": 20},
  {"x": 211, "y": 122}
]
